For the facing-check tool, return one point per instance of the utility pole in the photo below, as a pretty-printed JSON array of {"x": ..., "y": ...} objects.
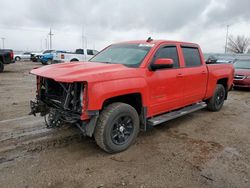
[
  {"x": 3, "y": 42},
  {"x": 84, "y": 40},
  {"x": 226, "y": 39},
  {"x": 41, "y": 47},
  {"x": 50, "y": 38},
  {"x": 82, "y": 37}
]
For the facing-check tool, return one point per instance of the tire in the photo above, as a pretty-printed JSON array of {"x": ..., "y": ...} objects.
[
  {"x": 1, "y": 66},
  {"x": 117, "y": 127},
  {"x": 216, "y": 102},
  {"x": 49, "y": 62},
  {"x": 17, "y": 58}
]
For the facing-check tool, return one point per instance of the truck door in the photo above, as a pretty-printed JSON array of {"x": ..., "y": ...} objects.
[
  {"x": 195, "y": 75},
  {"x": 165, "y": 85}
]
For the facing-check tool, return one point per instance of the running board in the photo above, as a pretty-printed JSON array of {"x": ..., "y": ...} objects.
[{"x": 175, "y": 114}]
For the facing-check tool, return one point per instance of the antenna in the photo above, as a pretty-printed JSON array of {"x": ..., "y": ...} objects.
[{"x": 149, "y": 39}]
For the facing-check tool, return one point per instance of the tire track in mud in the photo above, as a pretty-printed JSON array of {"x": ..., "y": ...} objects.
[{"x": 20, "y": 138}]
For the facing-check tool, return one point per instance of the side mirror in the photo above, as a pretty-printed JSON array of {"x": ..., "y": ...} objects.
[{"x": 162, "y": 63}]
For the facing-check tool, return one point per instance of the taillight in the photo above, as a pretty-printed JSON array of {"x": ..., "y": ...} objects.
[
  {"x": 11, "y": 54},
  {"x": 62, "y": 56}
]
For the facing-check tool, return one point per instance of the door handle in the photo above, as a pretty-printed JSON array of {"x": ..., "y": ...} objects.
[
  {"x": 203, "y": 72},
  {"x": 179, "y": 75}
]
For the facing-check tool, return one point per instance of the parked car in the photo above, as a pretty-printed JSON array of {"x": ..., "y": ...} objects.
[
  {"x": 6, "y": 57},
  {"x": 78, "y": 55},
  {"x": 128, "y": 87},
  {"x": 22, "y": 56},
  {"x": 242, "y": 74},
  {"x": 48, "y": 57},
  {"x": 35, "y": 57},
  {"x": 216, "y": 59}
]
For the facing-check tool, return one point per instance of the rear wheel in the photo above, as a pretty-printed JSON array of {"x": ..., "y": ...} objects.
[
  {"x": 216, "y": 102},
  {"x": 17, "y": 58},
  {"x": 1, "y": 66},
  {"x": 117, "y": 127}
]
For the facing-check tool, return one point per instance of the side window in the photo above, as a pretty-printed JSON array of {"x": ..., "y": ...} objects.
[
  {"x": 191, "y": 56},
  {"x": 169, "y": 52},
  {"x": 95, "y": 52},
  {"x": 90, "y": 52}
]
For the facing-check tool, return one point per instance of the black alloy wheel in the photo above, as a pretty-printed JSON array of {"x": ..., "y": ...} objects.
[{"x": 122, "y": 130}]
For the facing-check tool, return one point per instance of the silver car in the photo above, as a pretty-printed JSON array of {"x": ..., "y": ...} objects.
[{"x": 22, "y": 56}]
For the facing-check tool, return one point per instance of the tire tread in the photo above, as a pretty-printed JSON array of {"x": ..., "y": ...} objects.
[{"x": 102, "y": 123}]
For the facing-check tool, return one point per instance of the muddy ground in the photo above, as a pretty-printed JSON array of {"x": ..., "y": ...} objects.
[{"x": 202, "y": 149}]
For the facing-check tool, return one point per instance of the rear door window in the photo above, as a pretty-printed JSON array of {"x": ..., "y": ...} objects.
[
  {"x": 90, "y": 52},
  {"x": 191, "y": 56}
]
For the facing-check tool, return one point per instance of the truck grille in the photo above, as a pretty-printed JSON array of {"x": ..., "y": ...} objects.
[{"x": 64, "y": 96}]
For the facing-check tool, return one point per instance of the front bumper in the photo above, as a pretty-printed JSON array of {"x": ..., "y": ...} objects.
[
  {"x": 242, "y": 83},
  {"x": 42, "y": 108},
  {"x": 87, "y": 127}
]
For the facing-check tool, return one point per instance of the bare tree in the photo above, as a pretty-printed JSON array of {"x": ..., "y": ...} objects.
[{"x": 238, "y": 45}]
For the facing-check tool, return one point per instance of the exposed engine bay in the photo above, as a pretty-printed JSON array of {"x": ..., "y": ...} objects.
[{"x": 57, "y": 101}]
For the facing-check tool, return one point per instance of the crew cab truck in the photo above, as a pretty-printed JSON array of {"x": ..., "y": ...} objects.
[
  {"x": 78, "y": 55},
  {"x": 128, "y": 87},
  {"x": 6, "y": 57}
]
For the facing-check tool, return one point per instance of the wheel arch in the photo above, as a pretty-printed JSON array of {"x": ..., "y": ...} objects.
[
  {"x": 133, "y": 99},
  {"x": 224, "y": 82},
  {"x": 74, "y": 59}
]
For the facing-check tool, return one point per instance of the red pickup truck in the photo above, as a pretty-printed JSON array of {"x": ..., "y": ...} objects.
[{"x": 128, "y": 87}]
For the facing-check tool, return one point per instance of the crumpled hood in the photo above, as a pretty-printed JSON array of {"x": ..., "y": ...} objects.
[
  {"x": 245, "y": 72},
  {"x": 84, "y": 71}
]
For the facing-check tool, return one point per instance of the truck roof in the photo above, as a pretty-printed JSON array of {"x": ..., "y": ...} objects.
[{"x": 156, "y": 42}]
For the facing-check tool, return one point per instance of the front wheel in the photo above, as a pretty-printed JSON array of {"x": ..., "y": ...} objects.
[
  {"x": 216, "y": 102},
  {"x": 49, "y": 62},
  {"x": 17, "y": 58},
  {"x": 117, "y": 127}
]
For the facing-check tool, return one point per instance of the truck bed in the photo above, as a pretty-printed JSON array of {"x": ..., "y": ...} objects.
[{"x": 218, "y": 71}]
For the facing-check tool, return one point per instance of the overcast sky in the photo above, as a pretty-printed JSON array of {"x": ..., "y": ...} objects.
[{"x": 25, "y": 23}]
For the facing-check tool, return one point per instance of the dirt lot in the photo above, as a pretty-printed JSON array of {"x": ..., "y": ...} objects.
[{"x": 203, "y": 149}]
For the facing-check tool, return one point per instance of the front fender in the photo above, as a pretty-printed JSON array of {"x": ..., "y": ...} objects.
[{"x": 101, "y": 91}]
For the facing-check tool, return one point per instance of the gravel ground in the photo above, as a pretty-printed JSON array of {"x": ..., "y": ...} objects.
[{"x": 202, "y": 149}]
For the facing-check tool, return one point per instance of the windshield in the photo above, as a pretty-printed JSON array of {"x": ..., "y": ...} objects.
[
  {"x": 242, "y": 64},
  {"x": 47, "y": 51},
  {"x": 130, "y": 55}
]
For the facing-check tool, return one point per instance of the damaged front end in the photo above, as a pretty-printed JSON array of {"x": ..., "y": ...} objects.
[{"x": 58, "y": 102}]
